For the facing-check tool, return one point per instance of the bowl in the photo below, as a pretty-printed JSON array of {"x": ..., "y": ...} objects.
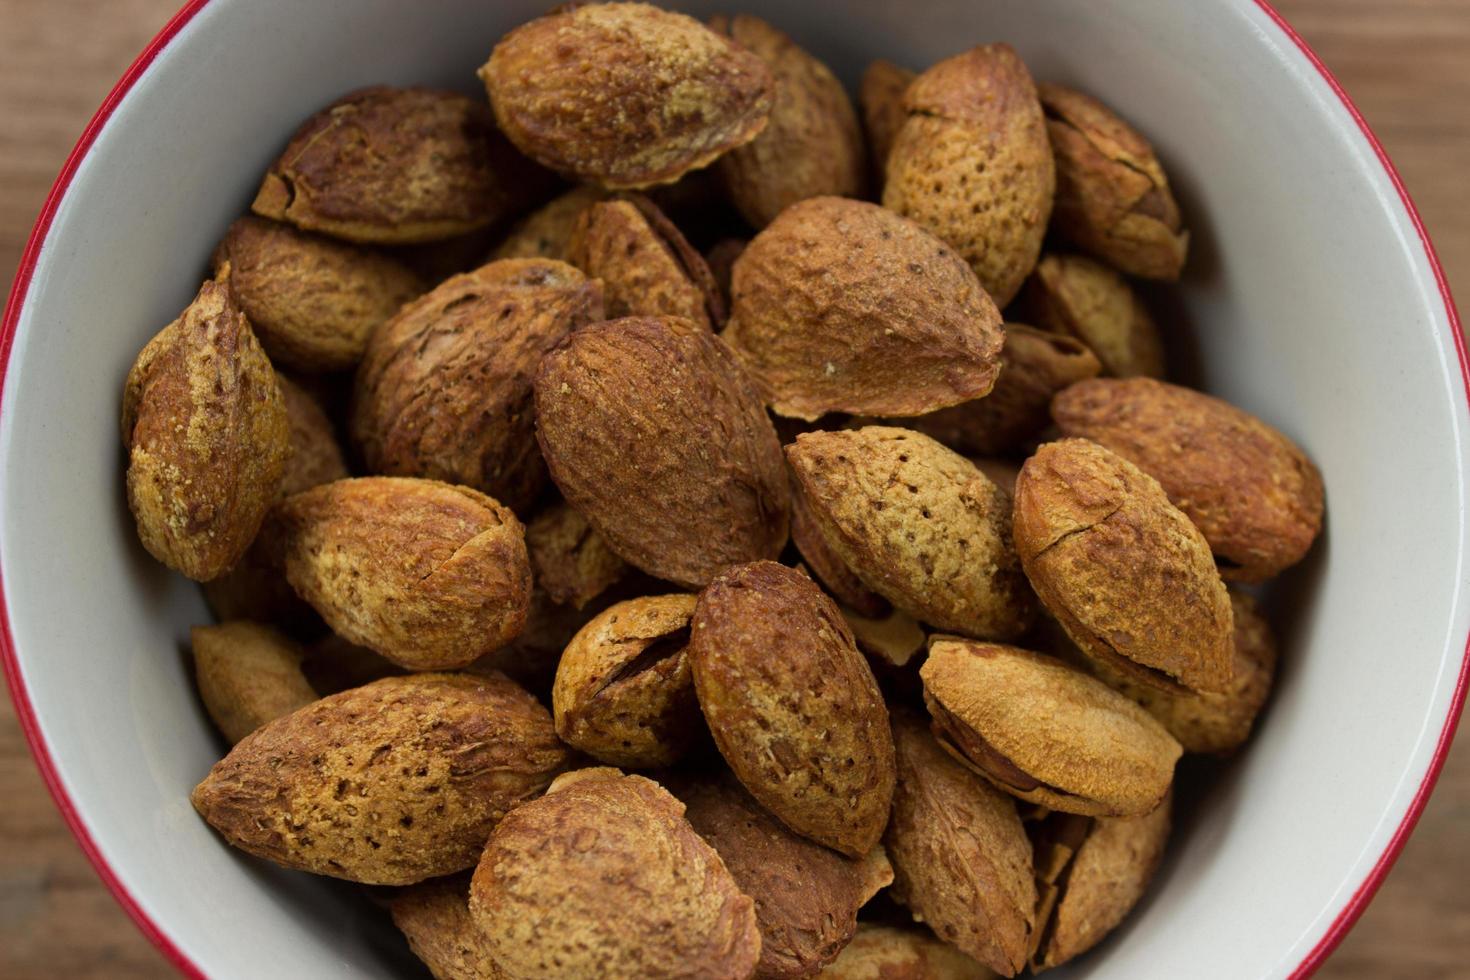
[{"x": 1312, "y": 298}]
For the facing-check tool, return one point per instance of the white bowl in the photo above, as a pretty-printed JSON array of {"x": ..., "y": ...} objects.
[{"x": 1312, "y": 298}]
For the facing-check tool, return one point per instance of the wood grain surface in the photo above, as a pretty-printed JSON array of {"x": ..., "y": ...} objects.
[{"x": 1405, "y": 62}]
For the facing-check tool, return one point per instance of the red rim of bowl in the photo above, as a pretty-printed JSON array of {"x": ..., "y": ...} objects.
[{"x": 25, "y": 712}]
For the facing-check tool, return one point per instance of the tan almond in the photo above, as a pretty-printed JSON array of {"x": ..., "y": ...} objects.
[
  {"x": 812, "y": 146},
  {"x": 435, "y": 919},
  {"x": 972, "y": 164},
  {"x": 884, "y": 953},
  {"x": 830, "y": 570},
  {"x": 653, "y": 432},
  {"x": 1075, "y": 296},
  {"x": 387, "y": 784},
  {"x": 919, "y": 525},
  {"x": 880, "y": 94},
  {"x": 429, "y": 575},
  {"x": 1250, "y": 490},
  {"x": 569, "y": 559},
  {"x": 793, "y": 705},
  {"x": 1124, "y": 571},
  {"x": 843, "y": 306},
  {"x": 206, "y": 434},
  {"x": 248, "y": 674},
  {"x": 546, "y": 232},
  {"x": 603, "y": 877},
  {"x": 316, "y": 456},
  {"x": 681, "y": 94}
]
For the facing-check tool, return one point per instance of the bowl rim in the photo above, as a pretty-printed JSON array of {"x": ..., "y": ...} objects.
[{"x": 1342, "y": 922}]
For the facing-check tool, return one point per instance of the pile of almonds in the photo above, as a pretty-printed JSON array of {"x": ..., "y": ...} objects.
[{"x": 662, "y": 424}]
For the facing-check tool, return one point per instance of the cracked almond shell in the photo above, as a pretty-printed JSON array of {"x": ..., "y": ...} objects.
[
  {"x": 248, "y": 674},
  {"x": 444, "y": 389},
  {"x": 843, "y": 306},
  {"x": 624, "y": 94},
  {"x": 961, "y": 859},
  {"x": 429, "y": 575},
  {"x": 919, "y": 525},
  {"x": 1044, "y": 732},
  {"x": 1078, "y": 297},
  {"x": 806, "y": 896},
  {"x": 885, "y": 953},
  {"x": 435, "y": 919},
  {"x": 1090, "y": 875},
  {"x": 793, "y": 705},
  {"x": 1124, "y": 571},
  {"x": 653, "y": 432},
  {"x": 316, "y": 456},
  {"x": 880, "y": 94},
  {"x": 569, "y": 560},
  {"x": 972, "y": 164},
  {"x": 624, "y": 693},
  {"x": 1035, "y": 365},
  {"x": 398, "y": 166},
  {"x": 603, "y": 877},
  {"x": 206, "y": 434},
  {"x": 646, "y": 266},
  {"x": 387, "y": 784},
  {"x": 1113, "y": 197},
  {"x": 812, "y": 145},
  {"x": 546, "y": 232},
  {"x": 313, "y": 302},
  {"x": 1250, "y": 490}
]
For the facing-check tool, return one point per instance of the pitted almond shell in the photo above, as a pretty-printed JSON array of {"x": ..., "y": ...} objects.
[
  {"x": 623, "y": 692},
  {"x": 429, "y": 575},
  {"x": 961, "y": 859},
  {"x": 603, "y": 877},
  {"x": 880, "y": 952},
  {"x": 1124, "y": 571},
  {"x": 880, "y": 95},
  {"x": 435, "y": 919},
  {"x": 387, "y": 784},
  {"x": 972, "y": 164},
  {"x": 546, "y": 232},
  {"x": 205, "y": 429},
  {"x": 1044, "y": 732},
  {"x": 812, "y": 146},
  {"x": 1113, "y": 198},
  {"x": 646, "y": 266},
  {"x": 653, "y": 432},
  {"x": 830, "y": 570},
  {"x": 1250, "y": 490},
  {"x": 248, "y": 674},
  {"x": 806, "y": 896},
  {"x": 569, "y": 560},
  {"x": 919, "y": 525},
  {"x": 444, "y": 389},
  {"x": 399, "y": 166},
  {"x": 681, "y": 94},
  {"x": 1078, "y": 297},
  {"x": 843, "y": 306},
  {"x": 793, "y": 705}
]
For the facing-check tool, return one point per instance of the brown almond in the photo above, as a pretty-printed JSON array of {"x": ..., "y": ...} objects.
[
  {"x": 624, "y": 693},
  {"x": 435, "y": 919},
  {"x": 429, "y": 575},
  {"x": 248, "y": 674},
  {"x": 961, "y": 859},
  {"x": 792, "y": 704},
  {"x": 1113, "y": 198},
  {"x": 919, "y": 525},
  {"x": 880, "y": 94},
  {"x": 972, "y": 164},
  {"x": 646, "y": 266},
  {"x": 1044, "y": 732},
  {"x": 313, "y": 302},
  {"x": 885, "y": 953},
  {"x": 569, "y": 559},
  {"x": 678, "y": 94},
  {"x": 603, "y": 877},
  {"x": 316, "y": 456},
  {"x": 811, "y": 147},
  {"x": 806, "y": 896},
  {"x": 387, "y": 784},
  {"x": 1124, "y": 571},
  {"x": 545, "y": 232},
  {"x": 652, "y": 431},
  {"x": 843, "y": 306},
  {"x": 1035, "y": 365},
  {"x": 206, "y": 434},
  {"x": 444, "y": 389},
  {"x": 829, "y": 569},
  {"x": 1075, "y": 296},
  {"x": 1250, "y": 490}
]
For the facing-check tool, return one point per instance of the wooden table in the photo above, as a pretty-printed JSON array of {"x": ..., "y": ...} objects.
[{"x": 1406, "y": 62}]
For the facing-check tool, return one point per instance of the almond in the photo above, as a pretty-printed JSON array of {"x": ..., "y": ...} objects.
[
  {"x": 569, "y": 560},
  {"x": 972, "y": 164},
  {"x": 546, "y": 232},
  {"x": 829, "y": 569},
  {"x": 653, "y": 433},
  {"x": 316, "y": 457},
  {"x": 843, "y": 306},
  {"x": 248, "y": 674},
  {"x": 624, "y": 94},
  {"x": 435, "y": 919},
  {"x": 885, "y": 953},
  {"x": 1073, "y": 295},
  {"x": 881, "y": 97}
]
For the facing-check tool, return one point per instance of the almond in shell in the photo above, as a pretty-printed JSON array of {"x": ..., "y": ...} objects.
[
  {"x": 1078, "y": 297},
  {"x": 546, "y": 232},
  {"x": 316, "y": 456},
  {"x": 884, "y": 953},
  {"x": 569, "y": 560},
  {"x": 248, "y": 674},
  {"x": 435, "y": 919}
]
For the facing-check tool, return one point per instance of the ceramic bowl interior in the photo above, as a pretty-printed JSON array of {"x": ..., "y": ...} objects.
[{"x": 1310, "y": 299}]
